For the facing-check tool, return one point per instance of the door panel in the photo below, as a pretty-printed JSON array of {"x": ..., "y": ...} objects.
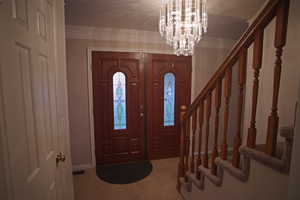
[
  {"x": 28, "y": 92},
  {"x": 164, "y": 136},
  {"x": 117, "y": 143}
]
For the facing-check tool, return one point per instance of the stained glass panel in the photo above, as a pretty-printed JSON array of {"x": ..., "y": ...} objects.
[
  {"x": 119, "y": 100},
  {"x": 169, "y": 99}
]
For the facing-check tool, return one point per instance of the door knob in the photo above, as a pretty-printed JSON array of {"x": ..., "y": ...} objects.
[
  {"x": 63, "y": 158},
  {"x": 60, "y": 158}
]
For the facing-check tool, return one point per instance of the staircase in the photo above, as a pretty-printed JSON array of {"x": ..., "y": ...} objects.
[{"x": 198, "y": 160}]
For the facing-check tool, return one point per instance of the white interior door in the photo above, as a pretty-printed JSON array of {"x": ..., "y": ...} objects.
[{"x": 33, "y": 101}]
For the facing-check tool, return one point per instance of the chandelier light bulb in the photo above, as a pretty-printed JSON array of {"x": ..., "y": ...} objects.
[{"x": 182, "y": 23}]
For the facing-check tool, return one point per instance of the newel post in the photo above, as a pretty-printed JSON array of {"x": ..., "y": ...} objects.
[{"x": 181, "y": 170}]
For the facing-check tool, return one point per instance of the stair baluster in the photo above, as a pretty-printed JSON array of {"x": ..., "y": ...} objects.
[
  {"x": 194, "y": 127},
  {"x": 187, "y": 148},
  {"x": 181, "y": 169},
  {"x": 227, "y": 94},
  {"x": 201, "y": 115},
  {"x": 242, "y": 81},
  {"x": 208, "y": 113},
  {"x": 280, "y": 41},
  {"x": 257, "y": 63},
  {"x": 215, "y": 154}
]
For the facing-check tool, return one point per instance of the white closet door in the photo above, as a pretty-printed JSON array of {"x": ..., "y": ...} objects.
[{"x": 33, "y": 106}]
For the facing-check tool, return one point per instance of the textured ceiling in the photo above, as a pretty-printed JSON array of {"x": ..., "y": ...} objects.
[{"x": 227, "y": 18}]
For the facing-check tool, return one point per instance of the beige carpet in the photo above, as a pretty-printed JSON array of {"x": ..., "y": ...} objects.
[{"x": 159, "y": 185}]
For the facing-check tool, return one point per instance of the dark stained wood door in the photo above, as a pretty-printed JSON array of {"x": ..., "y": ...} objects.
[
  {"x": 163, "y": 135},
  {"x": 118, "y": 109}
]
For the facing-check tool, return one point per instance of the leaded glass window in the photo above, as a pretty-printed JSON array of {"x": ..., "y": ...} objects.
[
  {"x": 169, "y": 99},
  {"x": 119, "y": 100}
]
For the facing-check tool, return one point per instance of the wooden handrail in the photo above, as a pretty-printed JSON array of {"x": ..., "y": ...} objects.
[
  {"x": 210, "y": 99},
  {"x": 260, "y": 22}
]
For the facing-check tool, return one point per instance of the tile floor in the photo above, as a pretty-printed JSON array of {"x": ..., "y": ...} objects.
[{"x": 159, "y": 185}]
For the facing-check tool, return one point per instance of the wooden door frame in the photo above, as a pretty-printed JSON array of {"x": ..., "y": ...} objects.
[
  {"x": 4, "y": 155},
  {"x": 90, "y": 90}
]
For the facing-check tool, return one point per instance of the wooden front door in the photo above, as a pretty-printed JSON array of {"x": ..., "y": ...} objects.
[
  {"x": 120, "y": 111},
  {"x": 118, "y": 87},
  {"x": 168, "y": 88}
]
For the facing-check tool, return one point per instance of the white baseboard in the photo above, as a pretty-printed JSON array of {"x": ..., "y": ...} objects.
[{"x": 81, "y": 167}]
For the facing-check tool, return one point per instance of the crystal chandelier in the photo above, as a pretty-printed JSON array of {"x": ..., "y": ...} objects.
[{"x": 182, "y": 23}]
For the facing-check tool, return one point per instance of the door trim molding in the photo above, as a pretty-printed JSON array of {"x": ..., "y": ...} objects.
[
  {"x": 90, "y": 87},
  {"x": 4, "y": 151}
]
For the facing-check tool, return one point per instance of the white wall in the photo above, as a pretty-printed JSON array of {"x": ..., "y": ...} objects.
[
  {"x": 294, "y": 179},
  {"x": 294, "y": 34},
  {"x": 3, "y": 179},
  {"x": 208, "y": 55}
]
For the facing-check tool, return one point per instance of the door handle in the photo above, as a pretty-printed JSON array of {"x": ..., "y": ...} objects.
[{"x": 60, "y": 158}]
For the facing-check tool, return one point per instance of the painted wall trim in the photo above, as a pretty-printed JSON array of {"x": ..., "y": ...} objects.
[{"x": 4, "y": 151}]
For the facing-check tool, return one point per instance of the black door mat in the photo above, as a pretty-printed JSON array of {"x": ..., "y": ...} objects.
[{"x": 124, "y": 173}]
